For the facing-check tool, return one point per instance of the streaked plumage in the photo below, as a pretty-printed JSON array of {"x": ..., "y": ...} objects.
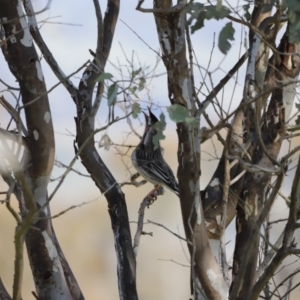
[{"x": 149, "y": 162}]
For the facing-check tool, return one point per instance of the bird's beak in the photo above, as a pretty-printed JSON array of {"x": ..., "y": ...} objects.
[
  {"x": 152, "y": 117},
  {"x": 147, "y": 119},
  {"x": 146, "y": 116}
]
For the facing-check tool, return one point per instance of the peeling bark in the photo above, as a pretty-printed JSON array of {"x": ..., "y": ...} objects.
[
  {"x": 171, "y": 34},
  {"x": 242, "y": 128},
  {"x": 96, "y": 167},
  {"x": 86, "y": 111},
  {"x": 266, "y": 153},
  {"x": 23, "y": 61}
]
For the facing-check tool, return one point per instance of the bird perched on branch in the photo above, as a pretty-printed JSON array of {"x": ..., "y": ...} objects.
[{"x": 149, "y": 161}]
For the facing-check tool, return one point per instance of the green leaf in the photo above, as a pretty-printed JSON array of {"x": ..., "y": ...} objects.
[
  {"x": 178, "y": 113},
  {"x": 156, "y": 138},
  {"x": 136, "y": 72},
  {"x": 247, "y": 15},
  {"x": 294, "y": 18},
  {"x": 200, "y": 22},
  {"x": 197, "y": 12},
  {"x": 159, "y": 127},
  {"x": 194, "y": 9},
  {"x": 104, "y": 76},
  {"x": 297, "y": 106},
  {"x": 217, "y": 12},
  {"x": 294, "y": 28},
  {"x": 226, "y": 34},
  {"x": 133, "y": 89},
  {"x": 112, "y": 94},
  {"x": 136, "y": 109},
  {"x": 142, "y": 84},
  {"x": 191, "y": 120}
]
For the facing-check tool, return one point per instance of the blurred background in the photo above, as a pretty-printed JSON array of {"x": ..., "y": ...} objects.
[{"x": 69, "y": 29}]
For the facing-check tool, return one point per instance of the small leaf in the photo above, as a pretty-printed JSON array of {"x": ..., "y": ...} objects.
[
  {"x": 112, "y": 94},
  {"x": 191, "y": 120},
  {"x": 294, "y": 27},
  {"x": 196, "y": 10},
  {"x": 226, "y": 34},
  {"x": 104, "y": 76},
  {"x": 133, "y": 89},
  {"x": 178, "y": 113},
  {"x": 247, "y": 15},
  {"x": 136, "y": 72},
  {"x": 136, "y": 109},
  {"x": 199, "y": 13},
  {"x": 193, "y": 8},
  {"x": 199, "y": 21},
  {"x": 105, "y": 142},
  {"x": 156, "y": 138},
  {"x": 294, "y": 22},
  {"x": 217, "y": 12},
  {"x": 142, "y": 84},
  {"x": 159, "y": 127},
  {"x": 297, "y": 106}
]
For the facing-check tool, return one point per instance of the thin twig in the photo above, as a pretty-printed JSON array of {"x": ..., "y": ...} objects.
[
  {"x": 55, "y": 86},
  {"x": 172, "y": 232},
  {"x": 139, "y": 37},
  {"x": 173, "y": 261},
  {"x": 140, "y": 223},
  {"x": 139, "y": 231},
  {"x": 14, "y": 114},
  {"x": 9, "y": 86},
  {"x": 77, "y": 155}
]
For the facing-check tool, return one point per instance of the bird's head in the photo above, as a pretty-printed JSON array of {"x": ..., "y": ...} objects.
[
  {"x": 149, "y": 129},
  {"x": 150, "y": 120}
]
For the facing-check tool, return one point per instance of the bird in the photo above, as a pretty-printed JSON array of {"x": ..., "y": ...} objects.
[{"x": 149, "y": 162}]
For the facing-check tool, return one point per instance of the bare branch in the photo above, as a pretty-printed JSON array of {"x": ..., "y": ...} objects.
[
  {"x": 172, "y": 232},
  {"x": 99, "y": 30},
  {"x": 15, "y": 115},
  {"x": 55, "y": 86},
  {"x": 287, "y": 244},
  {"x": 226, "y": 187},
  {"x": 139, "y": 37},
  {"x": 45, "y": 50},
  {"x": 78, "y": 153},
  {"x": 9, "y": 87}
]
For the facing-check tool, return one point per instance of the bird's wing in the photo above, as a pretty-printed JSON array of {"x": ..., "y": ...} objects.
[{"x": 160, "y": 169}]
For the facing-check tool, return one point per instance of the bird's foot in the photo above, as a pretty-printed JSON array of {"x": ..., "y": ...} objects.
[{"x": 152, "y": 196}]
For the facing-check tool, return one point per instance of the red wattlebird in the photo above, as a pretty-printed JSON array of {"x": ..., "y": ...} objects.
[{"x": 149, "y": 161}]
